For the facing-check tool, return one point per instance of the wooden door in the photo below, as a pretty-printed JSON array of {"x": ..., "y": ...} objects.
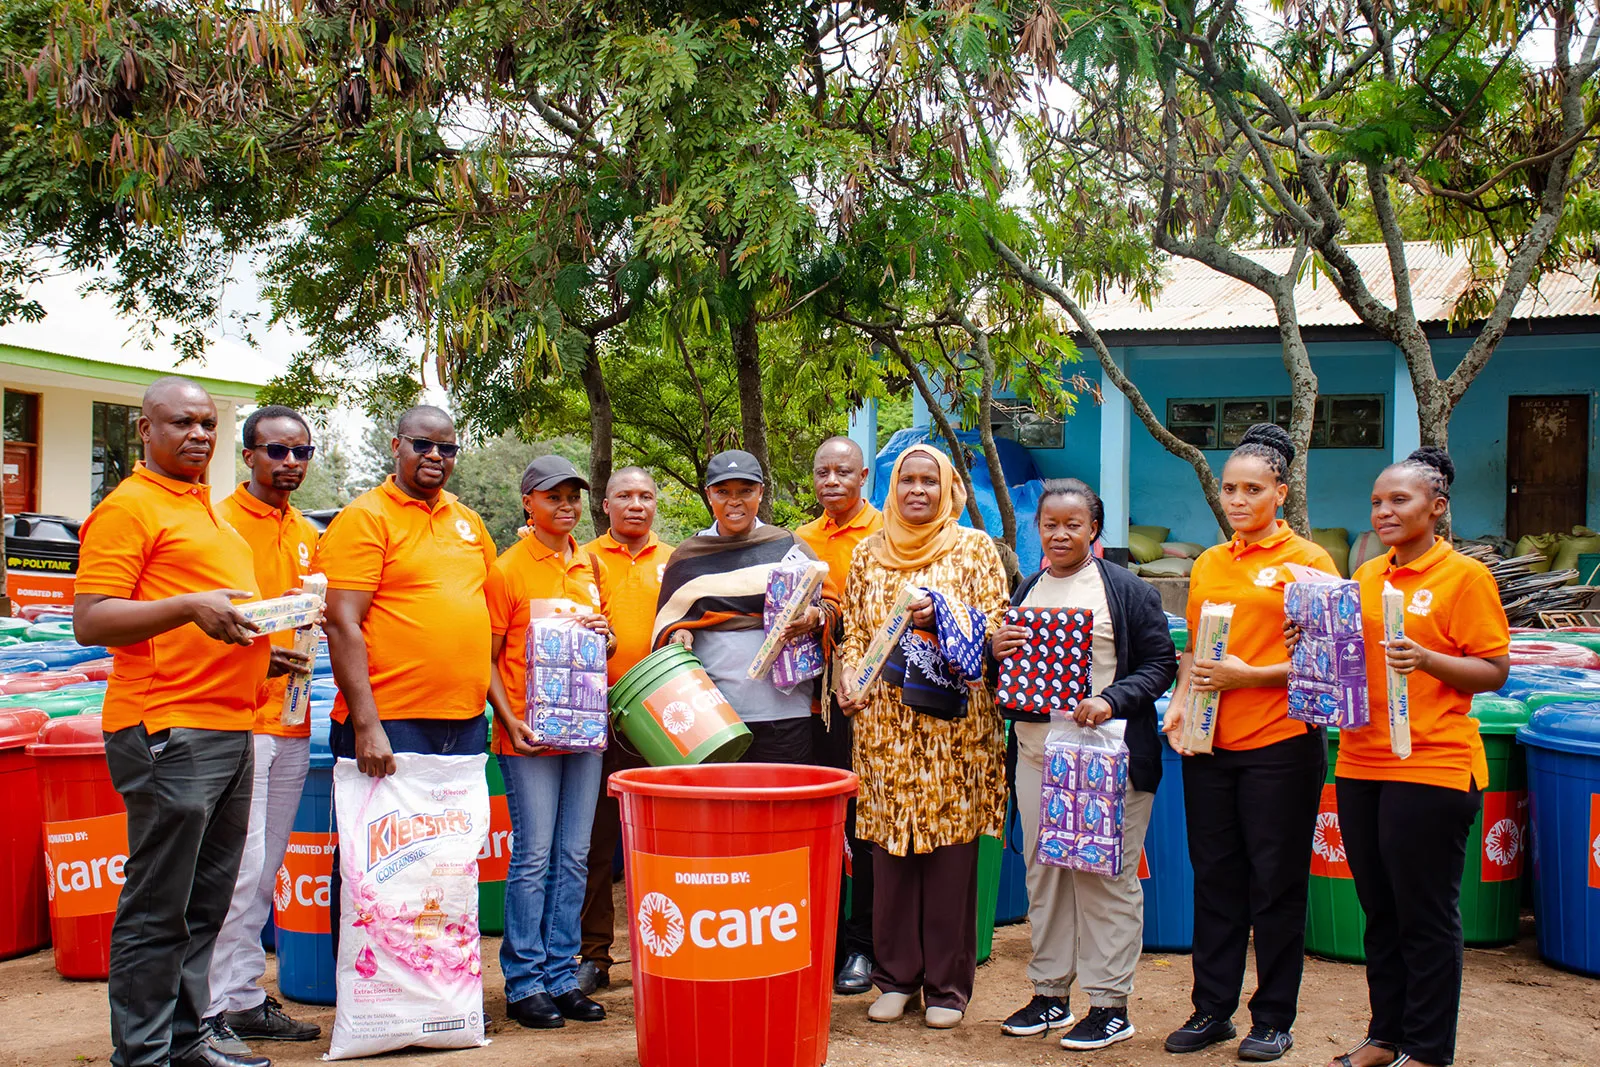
[
  {"x": 20, "y": 478},
  {"x": 1547, "y": 464}
]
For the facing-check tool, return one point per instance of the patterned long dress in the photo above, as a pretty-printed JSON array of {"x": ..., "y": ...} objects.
[{"x": 926, "y": 782}]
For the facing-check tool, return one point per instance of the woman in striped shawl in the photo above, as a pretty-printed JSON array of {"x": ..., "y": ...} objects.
[{"x": 712, "y": 596}]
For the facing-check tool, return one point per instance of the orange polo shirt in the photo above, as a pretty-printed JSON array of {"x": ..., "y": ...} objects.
[
  {"x": 427, "y": 631},
  {"x": 154, "y": 538},
  {"x": 1251, "y": 577},
  {"x": 281, "y": 544},
  {"x": 531, "y": 570},
  {"x": 834, "y": 543},
  {"x": 1452, "y": 606},
  {"x": 630, "y": 585}
]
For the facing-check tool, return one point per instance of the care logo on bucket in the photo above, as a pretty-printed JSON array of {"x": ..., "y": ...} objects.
[
  {"x": 723, "y": 918},
  {"x": 85, "y": 860},
  {"x": 1328, "y": 859},
  {"x": 690, "y": 709},
  {"x": 1505, "y": 824},
  {"x": 1594, "y": 841},
  {"x": 305, "y": 883},
  {"x": 494, "y": 859}
]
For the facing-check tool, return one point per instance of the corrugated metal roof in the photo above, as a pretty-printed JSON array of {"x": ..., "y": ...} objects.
[{"x": 1195, "y": 297}]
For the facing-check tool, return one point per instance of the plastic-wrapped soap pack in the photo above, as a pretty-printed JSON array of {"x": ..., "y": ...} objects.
[
  {"x": 1081, "y": 803},
  {"x": 1328, "y": 669},
  {"x": 567, "y": 693},
  {"x": 792, "y": 587}
]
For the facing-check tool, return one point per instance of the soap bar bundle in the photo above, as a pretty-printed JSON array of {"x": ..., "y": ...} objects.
[
  {"x": 1052, "y": 672},
  {"x": 567, "y": 705},
  {"x": 283, "y": 612},
  {"x": 1328, "y": 669},
  {"x": 297, "y": 696},
  {"x": 1209, "y": 642},
  {"x": 1394, "y": 628},
  {"x": 870, "y": 669},
  {"x": 1081, "y": 803},
  {"x": 792, "y": 588}
]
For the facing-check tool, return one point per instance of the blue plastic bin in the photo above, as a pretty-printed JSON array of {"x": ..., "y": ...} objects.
[
  {"x": 1527, "y": 679},
  {"x": 305, "y": 956},
  {"x": 54, "y": 655},
  {"x": 1011, "y": 906},
  {"x": 1165, "y": 873},
  {"x": 1563, "y": 743}
]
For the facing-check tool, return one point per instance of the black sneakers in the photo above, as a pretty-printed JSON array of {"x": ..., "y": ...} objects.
[
  {"x": 1200, "y": 1032},
  {"x": 268, "y": 1022},
  {"x": 1264, "y": 1044},
  {"x": 1042, "y": 1013},
  {"x": 1101, "y": 1027}
]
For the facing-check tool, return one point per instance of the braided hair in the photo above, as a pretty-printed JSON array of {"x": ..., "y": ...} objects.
[
  {"x": 1271, "y": 444},
  {"x": 1433, "y": 466}
]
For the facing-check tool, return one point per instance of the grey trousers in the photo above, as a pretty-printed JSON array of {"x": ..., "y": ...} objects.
[
  {"x": 1084, "y": 926},
  {"x": 188, "y": 797}
]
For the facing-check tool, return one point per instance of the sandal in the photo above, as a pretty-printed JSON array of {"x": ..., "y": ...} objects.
[{"x": 1398, "y": 1061}]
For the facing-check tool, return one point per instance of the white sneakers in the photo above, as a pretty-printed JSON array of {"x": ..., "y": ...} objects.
[{"x": 892, "y": 1006}]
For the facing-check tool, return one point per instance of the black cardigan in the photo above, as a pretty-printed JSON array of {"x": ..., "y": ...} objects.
[{"x": 1147, "y": 663}]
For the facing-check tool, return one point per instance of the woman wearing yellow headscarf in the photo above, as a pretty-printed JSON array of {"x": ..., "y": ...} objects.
[{"x": 930, "y": 785}]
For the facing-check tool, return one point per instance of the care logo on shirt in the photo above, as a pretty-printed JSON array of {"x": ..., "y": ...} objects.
[
  {"x": 464, "y": 528},
  {"x": 1421, "y": 602},
  {"x": 1267, "y": 577},
  {"x": 305, "y": 554}
]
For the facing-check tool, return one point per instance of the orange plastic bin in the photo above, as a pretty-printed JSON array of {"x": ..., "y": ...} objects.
[
  {"x": 24, "y": 920},
  {"x": 85, "y": 843},
  {"x": 733, "y": 896}
]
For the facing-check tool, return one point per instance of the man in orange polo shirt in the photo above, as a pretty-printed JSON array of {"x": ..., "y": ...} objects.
[
  {"x": 277, "y": 452},
  {"x": 838, "y": 471},
  {"x": 158, "y": 573},
  {"x": 628, "y": 560}
]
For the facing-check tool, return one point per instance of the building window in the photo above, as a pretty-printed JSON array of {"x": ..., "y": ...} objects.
[
  {"x": 116, "y": 448},
  {"x": 1022, "y": 424},
  {"x": 1341, "y": 421}
]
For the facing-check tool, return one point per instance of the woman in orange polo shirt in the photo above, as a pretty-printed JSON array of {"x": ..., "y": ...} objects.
[
  {"x": 1251, "y": 803},
  {"x": 550, "y": 794},
  {"x": 1405, "y": 822}
]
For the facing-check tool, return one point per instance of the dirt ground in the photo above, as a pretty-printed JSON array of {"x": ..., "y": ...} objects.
[{"x": 1517, "y": 1012}]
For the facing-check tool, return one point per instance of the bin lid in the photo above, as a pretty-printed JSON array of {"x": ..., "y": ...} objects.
[
  {"x": 1564, "y": 728},
  {"x": 1499, "y": 715},
  {"x": 73, "y": 735},
  {"x": 19, "y": 726}
]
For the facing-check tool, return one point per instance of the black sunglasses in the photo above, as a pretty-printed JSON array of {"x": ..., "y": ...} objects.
[
  {"x": 277, "y": 453},
  {"x": 422, "y": 446}
]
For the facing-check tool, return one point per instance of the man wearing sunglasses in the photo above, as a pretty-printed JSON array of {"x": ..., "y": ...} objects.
[{"x": 277, "y": 451}]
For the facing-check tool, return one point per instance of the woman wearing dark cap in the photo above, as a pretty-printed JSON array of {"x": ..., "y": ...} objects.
[
  {"x": 1251, "y": 803},
  {"x": 1405, "y": 822},
  {"x": 550, "y": 795}
]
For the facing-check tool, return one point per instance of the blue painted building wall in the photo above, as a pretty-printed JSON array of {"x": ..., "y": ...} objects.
[{"x": 1161, "y": 489}]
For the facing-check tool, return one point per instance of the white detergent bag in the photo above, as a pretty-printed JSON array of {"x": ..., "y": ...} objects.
[{"x": 410, "y": 970}]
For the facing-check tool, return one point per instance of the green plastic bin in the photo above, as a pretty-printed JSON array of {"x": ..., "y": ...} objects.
[
  {"x": 58, "y": 702},
  {"x": 1589, "y": 568},
  {"x": 1491, "y": 884},
  {"x": 49, "y": 631},
  {"x": 1335, "y": 923},
  {"x": 989, "y": 854},
  {"x": 496, "y": 854}
]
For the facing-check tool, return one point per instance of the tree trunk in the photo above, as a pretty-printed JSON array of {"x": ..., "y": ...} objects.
[
  {"x": 991, "y": 452},
  {"x": 600, "y": 420},
  {"x": 958, "y": 454},
  {"x": 752, "y": 413},
  {"x": 1433, "y": 415},
  {"x": 1303, "y": 401}
]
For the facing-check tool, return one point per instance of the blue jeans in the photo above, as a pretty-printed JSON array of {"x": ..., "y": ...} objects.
[{"x": 551, "y": 800}]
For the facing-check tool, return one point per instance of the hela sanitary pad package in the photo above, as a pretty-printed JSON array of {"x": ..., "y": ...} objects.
[
  {"x": 793, "y": 586},
  {"x": 567, "y": 694},
  {"x": 410, "y": 971},
  {"x": 1328, "y": 669},
  {"x": 1081, "y": 803}
]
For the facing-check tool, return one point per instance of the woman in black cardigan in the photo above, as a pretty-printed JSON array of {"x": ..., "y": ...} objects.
[{"x": 1085, "y": 926}]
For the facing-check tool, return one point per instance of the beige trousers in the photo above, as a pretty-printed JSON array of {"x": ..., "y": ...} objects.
[{"x": 1084, "y": 926}]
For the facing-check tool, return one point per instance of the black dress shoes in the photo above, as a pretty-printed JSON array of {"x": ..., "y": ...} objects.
[
  {"x": 577, "y": 1007},
  {"x": 855, "y": 977},
  {"x": 204, "y": 1055},
  {"x": 537, "y": 1012}
]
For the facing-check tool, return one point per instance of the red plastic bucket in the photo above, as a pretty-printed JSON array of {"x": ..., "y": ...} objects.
[
  {"x": 733, "y": 896},
  {"x": 24, "y": 918},
  {"x": 85, "y": 843},
  {"x": 43, "y": 682}
]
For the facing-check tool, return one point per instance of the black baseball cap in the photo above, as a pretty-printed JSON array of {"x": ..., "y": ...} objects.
[
  {"x": 547, "y": 472},
  {"x": 727, "y": 466}
]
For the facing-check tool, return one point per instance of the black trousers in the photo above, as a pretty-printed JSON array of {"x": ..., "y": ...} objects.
[
  {"x": 187, "y": 793},
  {"x": 927, "y": 923},
  {"x": 780, "y": 741},
  {"x": 833, "y": 749},
  {"x": 1250, "y": 816},
  {"x": 1407, "y": 847}
]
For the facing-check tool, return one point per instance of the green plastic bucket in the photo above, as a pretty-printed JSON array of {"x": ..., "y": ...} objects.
[
  {"x": 990, "y": 853},
  {"x": 11, "y": 626},
  {"x": 1589, "y": 568},
  {"x": 673, "y": 714},
  {"x": 1491, "y": 885},
  {"x": 49, "y": 631},
  {"x": 495, "y": 857},
  {"x": 58, "y": 702},
  {"x": 1335, "y": 923},
  {"x": 1536, "y": 701}
]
